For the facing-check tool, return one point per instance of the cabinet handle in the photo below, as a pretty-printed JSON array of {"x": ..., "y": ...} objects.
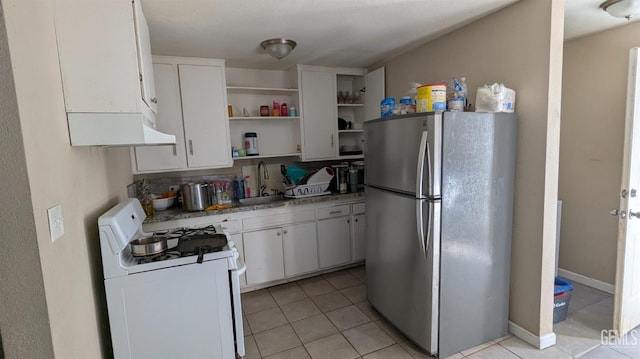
[
  {"x": 285, "y": 231},
  {"x": 154, "y": 100},
  {"x": 348, "y": 221},
  {"x": 335, "y": 212},
  {"x": 331, "y": 140},
  {"x": 356, "y": 220},
  {"x": 175, "y": 152},
  {"x": 277, "y": 234},
  {"x": 191, "y": 147}
]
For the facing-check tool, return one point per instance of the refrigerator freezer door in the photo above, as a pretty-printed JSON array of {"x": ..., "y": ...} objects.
[
  {"x": 402, "y": 281},
  {"x": 402, "y": 154}
]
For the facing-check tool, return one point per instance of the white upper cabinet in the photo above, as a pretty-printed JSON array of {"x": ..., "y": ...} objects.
[
  {"x": 192, "y": 105},
  {"x": 107, "y": 77},
  {"x": 319, "y": 114},
  {"x": 143, "y": 43},
  {"x": 168, "y": 120},
  {"x": 329, "y": 94},
  {"x": 204, "y": 111}
]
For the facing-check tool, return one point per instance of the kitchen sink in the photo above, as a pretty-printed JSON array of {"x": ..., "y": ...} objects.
[{"x": 260, "y": 200}]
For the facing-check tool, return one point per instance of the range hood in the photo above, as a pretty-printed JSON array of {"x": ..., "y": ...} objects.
[{"x": 114, "y": 129}]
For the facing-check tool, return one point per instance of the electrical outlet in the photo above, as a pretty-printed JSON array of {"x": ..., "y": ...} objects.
[{"x": 56, "y": 222}]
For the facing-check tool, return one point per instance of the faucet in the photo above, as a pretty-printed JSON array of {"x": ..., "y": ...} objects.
[{"x": 262, "y": 188}]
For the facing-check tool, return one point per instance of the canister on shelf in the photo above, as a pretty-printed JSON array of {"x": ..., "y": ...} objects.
[
  {"x": 283, "y": 109},
  {"x": 293, "y": 112},
  {"x": 251, "y": 143}
]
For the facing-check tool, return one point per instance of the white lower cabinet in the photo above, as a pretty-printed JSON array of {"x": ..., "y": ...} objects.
[
  {"x": 264, "y": 255},
  {"x": 359, "y": 248},
  {"x": 334, "y": 235},
  {"x": 300, "y": 248}
]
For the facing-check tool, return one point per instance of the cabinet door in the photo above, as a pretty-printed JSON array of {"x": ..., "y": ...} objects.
[
  {"x": 334, "y": 241},
  {"x": 263, "y": 254},
  {"x": 358, "y": 225},
  {"x": 143, "y": 44},
  {"x": 204, "y": 111},
  {"x": 374, "y": 83},
  {"x": 319, "y": 114},
  {"x": 168, "y": 120},
  {"x": 300, "y": 248}
]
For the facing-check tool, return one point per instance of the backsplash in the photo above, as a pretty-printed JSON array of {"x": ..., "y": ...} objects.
[{"x": 161, "y": 182}]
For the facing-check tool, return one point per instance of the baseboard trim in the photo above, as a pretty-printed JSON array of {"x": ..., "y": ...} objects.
[
  {"x": 540, "y": 342},
  {"x": 590, "y": 282}
]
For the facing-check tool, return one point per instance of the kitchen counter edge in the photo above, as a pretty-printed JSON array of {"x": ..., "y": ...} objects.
[{"x": 179, "y": 213}]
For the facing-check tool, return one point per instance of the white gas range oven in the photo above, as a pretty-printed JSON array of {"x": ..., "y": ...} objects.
[{"x": 181, "y": 303}]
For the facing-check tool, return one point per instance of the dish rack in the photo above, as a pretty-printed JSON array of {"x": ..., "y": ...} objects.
[{"x": 307, "y": 190}]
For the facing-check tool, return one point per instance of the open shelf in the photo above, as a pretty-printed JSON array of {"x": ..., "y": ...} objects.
[
  {"x": 350, "y": 105},
  {"x": 264, "y": 118},
  {"x": 259, "y": 90},
  {"x": 351, "y": 131}
]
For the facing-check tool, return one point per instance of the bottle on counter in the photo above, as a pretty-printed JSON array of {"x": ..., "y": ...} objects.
[
  {"x": 219, "y": 193},
  {"x": 239, "y": 188}
]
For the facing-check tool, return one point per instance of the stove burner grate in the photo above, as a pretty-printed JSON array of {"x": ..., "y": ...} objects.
[{"x": 159, "y": 257}]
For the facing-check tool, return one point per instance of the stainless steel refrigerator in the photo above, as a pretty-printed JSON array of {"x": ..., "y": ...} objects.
[{"x": 439, "y": 203}]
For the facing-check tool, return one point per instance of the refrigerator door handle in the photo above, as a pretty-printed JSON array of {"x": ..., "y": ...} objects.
[
  {"x": 429, "y": 225},
  {"x": 420, "y": 227},
  {"x": 423, "y": 152}
]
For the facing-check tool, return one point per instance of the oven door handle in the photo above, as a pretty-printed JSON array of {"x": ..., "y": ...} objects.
[
  {"x": 237, "y": 306},
  {"x": 241, "y": 268}
]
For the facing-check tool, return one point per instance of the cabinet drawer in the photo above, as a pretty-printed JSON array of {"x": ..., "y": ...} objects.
[
  {"x": 278, "y": 219},
  {"x": 358, "y": 208},
  {"x": 335, "y": 211}
]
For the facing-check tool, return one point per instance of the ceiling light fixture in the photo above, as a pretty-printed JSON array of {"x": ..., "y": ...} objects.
[
  {"x": 278, "y": 48},
  {"x": 622, "y": 8}
]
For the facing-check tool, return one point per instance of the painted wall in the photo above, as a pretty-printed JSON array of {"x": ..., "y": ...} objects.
[
  {"x": 85, "y": 181},
  {"x": 503, "y": 47},
  {"x": 24, "y": 321},
  {"x": 593, "y": 115}
]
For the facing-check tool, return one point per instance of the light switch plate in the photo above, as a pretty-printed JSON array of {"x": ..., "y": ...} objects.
[{"x": 56, "y": 222}]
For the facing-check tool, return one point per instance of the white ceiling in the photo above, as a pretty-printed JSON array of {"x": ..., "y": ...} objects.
[
  {"x": 348, "y": 33},
  {"x": 583, "y": 17}
]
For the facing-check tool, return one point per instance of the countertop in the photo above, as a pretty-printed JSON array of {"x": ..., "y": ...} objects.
[{"x": 178, "y": 213}]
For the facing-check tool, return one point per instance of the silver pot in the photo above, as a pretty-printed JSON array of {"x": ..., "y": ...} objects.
[
  {"x": 145, "y": 246},
  {"x": 195, "y": 196}
]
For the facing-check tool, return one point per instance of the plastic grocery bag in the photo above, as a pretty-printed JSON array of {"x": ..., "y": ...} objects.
[{"x": 495, "y": 98}]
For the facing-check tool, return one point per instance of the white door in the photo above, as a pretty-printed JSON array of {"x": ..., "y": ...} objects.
[
  {"x": 168, "y": 120},
  {"x": 204, "y": 111},
  {"x": 334, "y": 241},
  {"x": 319, "y": 114},
  {"x": 627, "y": 297},
  {"x": 300, "y": 246},
  {"x": 374, "y": 83},
  {"x": 263, "y": 255},
  {"x": 358, "y": 236},
  {"x": 143, "y": 44}
]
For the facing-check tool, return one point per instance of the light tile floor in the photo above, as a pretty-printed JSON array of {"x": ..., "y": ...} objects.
[{"x": 328, "y": 317}]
